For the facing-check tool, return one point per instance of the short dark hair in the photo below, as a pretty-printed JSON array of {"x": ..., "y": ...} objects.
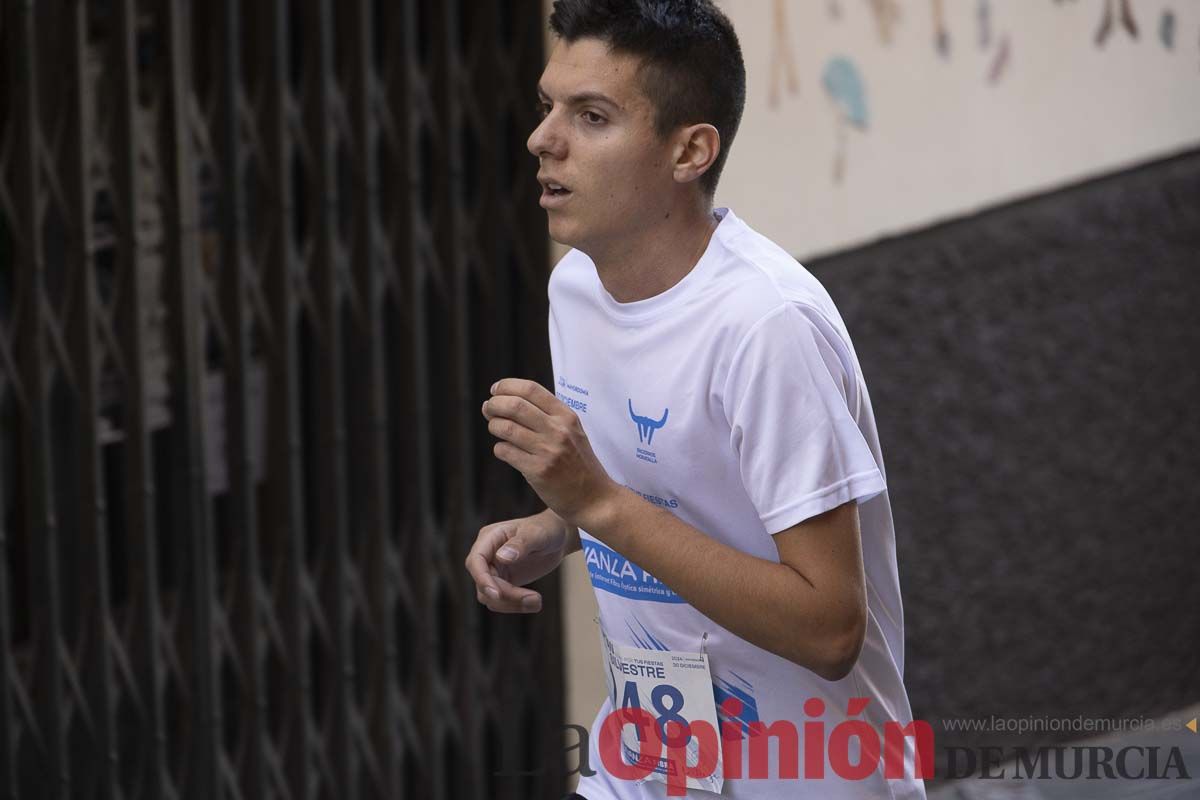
[{"x": 692, "y": 69}]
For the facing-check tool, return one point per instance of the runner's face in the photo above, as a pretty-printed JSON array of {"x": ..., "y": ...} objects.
[{"x": 597, "y": 141}]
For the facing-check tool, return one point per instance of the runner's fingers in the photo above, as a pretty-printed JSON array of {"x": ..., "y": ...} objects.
[
  {"x": 514, "y": 433},
  {"x": 513, "y": 599},
  {"x": 515, "y": 457},
  {"x": 479, "y": 570},
  {"x": 532, "y": 391},
  {"x": 480, "y": 561},
  {"x": 518, "y": 409},
  {"x": 528, "y": 605},
  {"x": 501, "y": 596}
]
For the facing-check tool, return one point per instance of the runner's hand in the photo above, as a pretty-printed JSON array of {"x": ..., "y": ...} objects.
[
  {"x": 546, "y": 442},
  {"x": 537, "y": 544}
]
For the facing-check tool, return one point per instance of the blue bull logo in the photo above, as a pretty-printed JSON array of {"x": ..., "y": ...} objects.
[{"x": 647, "y": 426}]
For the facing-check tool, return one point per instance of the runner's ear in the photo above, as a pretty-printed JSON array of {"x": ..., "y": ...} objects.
[{"x": 696, "y": 151}]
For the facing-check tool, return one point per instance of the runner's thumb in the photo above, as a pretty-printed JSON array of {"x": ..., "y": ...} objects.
[{"x": 511, "y": 551}]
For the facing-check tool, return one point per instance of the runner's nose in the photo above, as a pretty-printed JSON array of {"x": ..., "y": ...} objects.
[{"x": 546, "y": 140}]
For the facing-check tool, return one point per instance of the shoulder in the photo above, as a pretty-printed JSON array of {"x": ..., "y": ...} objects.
[
  {"x": 774, "y": 314},
  {"x": 761, "y": 284}
]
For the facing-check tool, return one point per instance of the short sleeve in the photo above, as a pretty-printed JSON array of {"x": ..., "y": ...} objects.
[{"x": 788, "y": 399}]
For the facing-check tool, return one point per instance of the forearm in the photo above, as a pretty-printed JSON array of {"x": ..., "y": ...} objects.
[{"x": 768, "y": 604}]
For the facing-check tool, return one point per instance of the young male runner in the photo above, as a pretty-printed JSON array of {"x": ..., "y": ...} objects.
[{"x": 710, "y": 441}]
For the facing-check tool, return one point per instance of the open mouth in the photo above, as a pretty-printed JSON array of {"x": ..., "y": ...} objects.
[{"x": 554, "y": 194}]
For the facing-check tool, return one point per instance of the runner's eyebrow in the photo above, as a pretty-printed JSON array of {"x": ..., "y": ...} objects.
[{"x": 584, "y": 97}]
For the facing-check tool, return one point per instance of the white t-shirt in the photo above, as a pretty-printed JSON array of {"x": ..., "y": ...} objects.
[{"x": 735, "y": 400}]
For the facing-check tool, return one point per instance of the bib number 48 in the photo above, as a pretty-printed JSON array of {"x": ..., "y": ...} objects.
[{"x": 668, "y": 703}]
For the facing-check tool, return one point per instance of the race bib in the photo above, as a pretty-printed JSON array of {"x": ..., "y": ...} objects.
[{"x": 670, "y": 687}]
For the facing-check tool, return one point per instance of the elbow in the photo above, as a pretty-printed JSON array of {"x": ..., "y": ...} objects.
[
  {"x": 843, "y": 649},
  {"x": 838, "y": 667}
]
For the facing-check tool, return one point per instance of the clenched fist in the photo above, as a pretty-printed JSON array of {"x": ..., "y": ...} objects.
[{"x": 545, "y": 441}]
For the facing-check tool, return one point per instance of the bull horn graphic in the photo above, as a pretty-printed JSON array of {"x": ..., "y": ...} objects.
[{"x": 647, "y": 426}]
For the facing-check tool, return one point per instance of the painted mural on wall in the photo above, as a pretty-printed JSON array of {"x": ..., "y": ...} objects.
[
  {"x": 783, "y": 60},
  {"x": 886, "y": 14},
  {"x": 941, "y": 36},
  {"x": 983, "y": 17},
  {"x": 845, "y": 85},
  {"x": 1166, "y": 29},
  {"x": 999, "y": 60},
  {"x": 1125, "y": 16}
]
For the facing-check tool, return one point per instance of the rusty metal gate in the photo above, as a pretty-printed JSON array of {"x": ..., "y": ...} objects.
[{"x": 259, "y": 262}]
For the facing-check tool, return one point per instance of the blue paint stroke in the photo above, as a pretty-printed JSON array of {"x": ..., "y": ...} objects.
[{"x": 844, "y": 84}]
